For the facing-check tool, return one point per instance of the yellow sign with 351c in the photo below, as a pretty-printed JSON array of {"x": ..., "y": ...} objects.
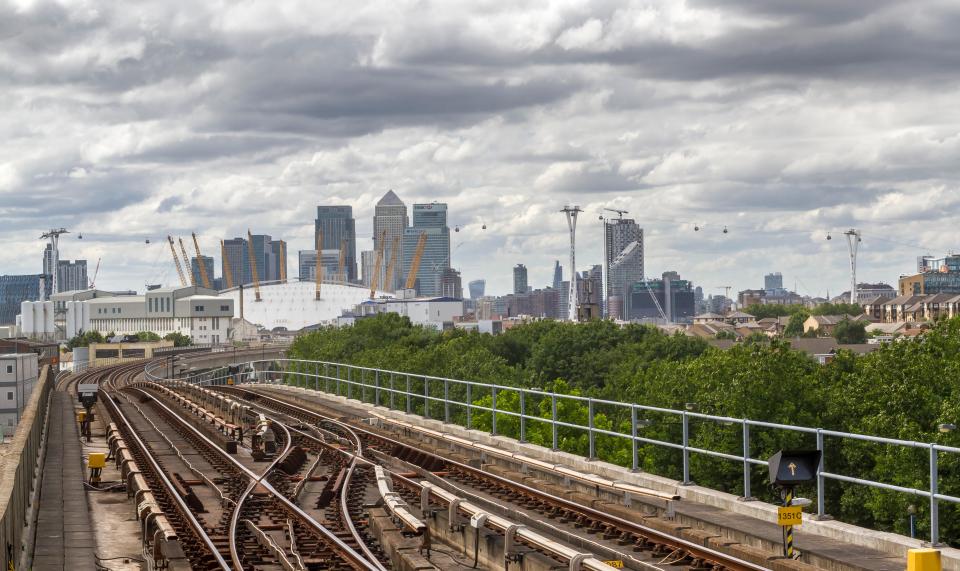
[{"x": 791, "y": 515}]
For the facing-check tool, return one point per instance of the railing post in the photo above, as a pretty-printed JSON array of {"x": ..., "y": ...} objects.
[
  {"x": 553, "y": 405},
  {"x": 686, "y": 450},
  {"x": 363, "y": 385},
  {"x": 316, "y": 377},
  {"x": 338, "y": 380},
  {"x": 349, "y": 383},
  {"x": 523, "y": 417},
  {"x": 326, "y": 377},
  {"x": 469, "y": 406},
  {"x": 590, "y": 435},
  {"x": 426, "y": 397},
  {"x": 493, "y": 410},
  {"x": 821, "y": 481},
  {"x": 393, "y": 389},
  {"x": 746, "y": 461},
  {"x": 934, "y": 503},
  {"x": 376, "y": 394},
  {"x": 446, "y": 401},
  {"x": 407, "y": 395},
  {"x": 633, "y": 437}
]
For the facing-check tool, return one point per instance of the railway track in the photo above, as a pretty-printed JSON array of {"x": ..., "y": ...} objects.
[
  {"x": 636, "y": 537},
  {"x": 223, "y": 512}
]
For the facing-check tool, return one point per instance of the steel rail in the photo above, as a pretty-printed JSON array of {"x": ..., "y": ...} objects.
[
  {"x": 694, "y": 550},
  {"x": 169, "y": 489},
  {"x": 346, "y": 551}
]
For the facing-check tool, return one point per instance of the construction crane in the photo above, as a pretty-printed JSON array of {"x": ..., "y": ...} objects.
[
  {"x": 318, "y": 273},
  {"x": 186, "y": 262},
  {"x": 342, "y": 264},
  {"x": 227, "y": 273},
  {"x": 619, "y": 212},
  {"x": 375, "y": 280},
  {"x": 176, "y": 260},
  {"x": 390, "y": 284},
  {"x": 253, "y": 267},
  {"x": 203, "y": 269},
  {"x": 93, "y": 280},
  {"x": 415, "y": 263}
]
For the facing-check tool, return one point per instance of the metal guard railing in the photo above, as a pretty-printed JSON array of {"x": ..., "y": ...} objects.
[{"x": 346, "y": 374}]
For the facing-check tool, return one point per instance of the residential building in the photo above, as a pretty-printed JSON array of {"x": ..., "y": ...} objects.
[
  {"x": 18, "y": 378},
  {"x": 339, "y": 229},
  {"x": 750, "y": 297},
  {"x": 626, "y": 270},
  {"x": 773, "y": 280},
  {"x": 450, "y": 284},
  {"x": 13, "y": 291},
  {"x": 195, "y": 270},
  {"x": 670, "y": 295},
  {"x": 390, "y": 220},
  {"x": 431, "y": 220},
  {"x": 618, "y": 235},
  {"x": 477, "y": 288},
  {"x": 825, "y": 324},
  {"x": 519, "y": 278},
  {"x": 942, "y": 276},
  {"x": 867, "y": 292},
  {"x": 70, "y": 275},
  {"x": 238, "y": 260},
  {"x": 590, "y": 294}
]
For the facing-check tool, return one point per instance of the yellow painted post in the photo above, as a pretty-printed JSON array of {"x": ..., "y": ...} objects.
[
  {"x": 788, "y": 530},
  {"x": 923, "y": 560}
]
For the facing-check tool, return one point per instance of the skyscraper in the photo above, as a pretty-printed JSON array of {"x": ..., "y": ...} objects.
[
  {"x": 207, "y": 266},
  {"x": 70, "y": 275},
  {"x": 15, "y": 289},
  {"x": 773, "y": 281},
  {"x": 450, "y": 284},
  {"x": 557, "y": 274},
  {"x": 429, "y": 219},
  {"x": 389, "y": 218},
  {"x": 621, "y": 274},
  {"x": 618, "y": 234},
  {"x": 278, "y": 269},
  {"x": 477, "y": 288},
  {"x": 520, "y": 279},
  {"x": 263, "y": 252},
  {"x": 338, "y": 226},
  {"x": 239, "y": 262}
]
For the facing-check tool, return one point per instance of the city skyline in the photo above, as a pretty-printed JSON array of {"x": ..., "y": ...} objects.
[{"x": 665, "y": 110}]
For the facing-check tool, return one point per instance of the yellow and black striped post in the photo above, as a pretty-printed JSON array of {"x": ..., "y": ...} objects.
[{"x": 788, "y": 530}]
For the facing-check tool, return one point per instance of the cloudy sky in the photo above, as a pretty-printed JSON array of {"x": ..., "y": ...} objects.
[{"x": 781, "y": 120}]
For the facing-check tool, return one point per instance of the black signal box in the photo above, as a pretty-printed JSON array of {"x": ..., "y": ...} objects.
[{"x": 792, "y": 467}]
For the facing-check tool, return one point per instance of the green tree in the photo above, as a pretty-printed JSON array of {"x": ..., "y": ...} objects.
[
  {"x": 794, "y": 326},
  {"x": 148, "y": 336},
  {"x": 179, "y": 339},
  {"x": 726, "y": 334},
  {"x": 849, "y": 331},
  {"x": 85, "y": 339}
]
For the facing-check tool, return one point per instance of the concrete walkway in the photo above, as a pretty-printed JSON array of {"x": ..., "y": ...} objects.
[{"x": 65, "y": 537}]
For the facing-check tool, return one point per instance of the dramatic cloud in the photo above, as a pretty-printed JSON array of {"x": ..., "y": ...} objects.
[{"x": 780, "y": 121}]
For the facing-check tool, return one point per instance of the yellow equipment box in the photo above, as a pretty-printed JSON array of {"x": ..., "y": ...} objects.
[
  {"x": 97, "y": 460},
  {"x": 923, "y": 560},
  {"x": 81, "y": 416},
  {"x": 791, "y": 515}
]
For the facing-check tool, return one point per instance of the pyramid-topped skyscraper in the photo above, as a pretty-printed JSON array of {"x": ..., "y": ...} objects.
[{"x": 390, "y": 215}]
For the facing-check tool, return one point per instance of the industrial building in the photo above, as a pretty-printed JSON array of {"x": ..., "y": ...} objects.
[
  {"x": 433, "y": 312},
  {"x": 18, "y": 377}
]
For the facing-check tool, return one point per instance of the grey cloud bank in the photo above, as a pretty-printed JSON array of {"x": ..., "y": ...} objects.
[{"x": 781, "y": 120}]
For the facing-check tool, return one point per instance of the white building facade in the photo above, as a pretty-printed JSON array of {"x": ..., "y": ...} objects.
[{"x": 18, "y": 378}]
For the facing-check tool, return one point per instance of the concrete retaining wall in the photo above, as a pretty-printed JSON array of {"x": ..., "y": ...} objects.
[{"x": 18, "y": 470}]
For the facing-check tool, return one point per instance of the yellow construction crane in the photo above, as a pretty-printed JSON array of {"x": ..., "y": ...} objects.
[
  {"x": 375, "y": 279},
  {"x": 318, "y": 273},
  {"x": 415, "y": 263},
  {"x": 203, "y": 269},
  {"x": 176, "y": 260},
  {"x": 253, "y": 267},
  {"x": 392, "y": 265},
  {"x": 227, "y": 274},
  {"x": 342, "y": 264},
  {"x": 186, "y": 262}
]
